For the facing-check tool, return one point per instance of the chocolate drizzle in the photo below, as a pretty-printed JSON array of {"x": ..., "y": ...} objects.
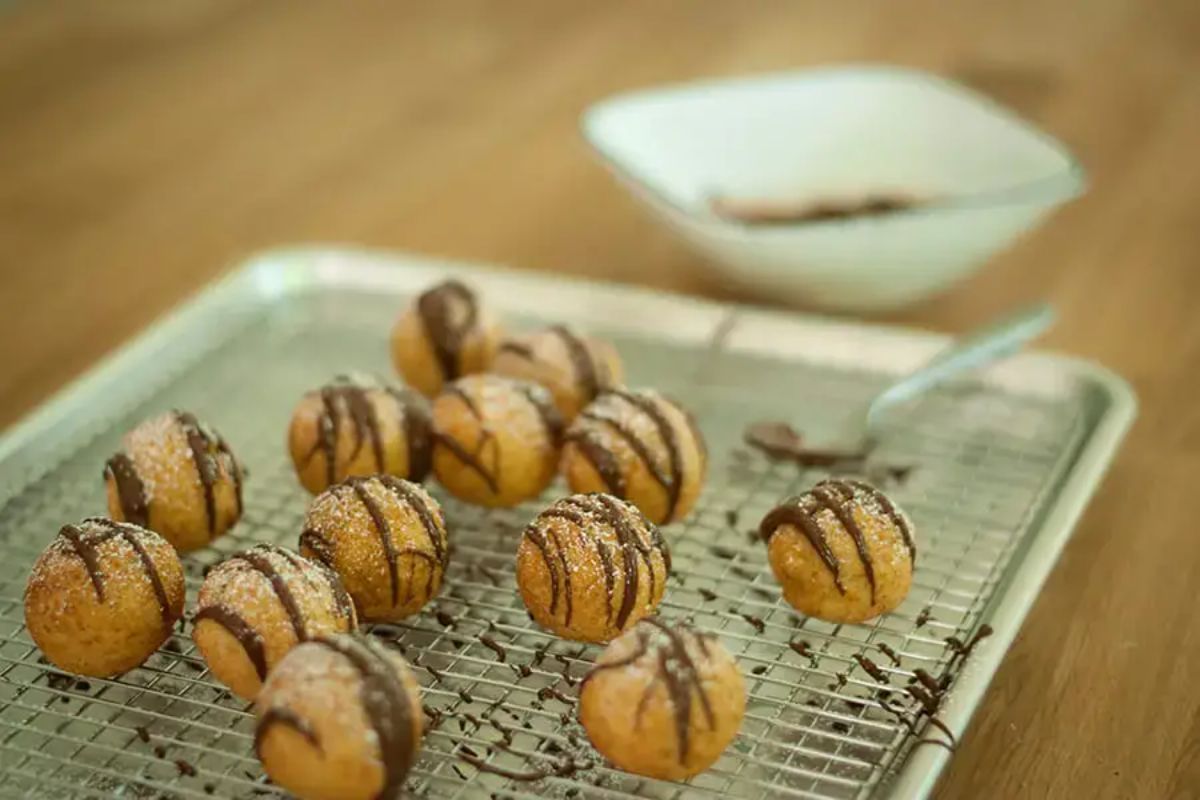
[
  {"x": 473, "y": 461},
  {"x": 449, "y": 312},
  {"x": 418, "y": 431},
  {"x": 607, "y": 465},
  {"x": 580, "y": 354},
  {"x": 676, "y": 670},
  {"x": 86, "y": 543},
  {"x": 278, "y": 715},
  {"x": 543, "y": 403},
  {"x": 634, "y": 547},
  {"x": 239, "y": 629},
  {"x": 259, "y": 559},
  {"x": 131, "y": 492},
  {"x": 201, "y": 443},
  {"x": 387, "y": 705},
  {"x": 840, "y": 499}
]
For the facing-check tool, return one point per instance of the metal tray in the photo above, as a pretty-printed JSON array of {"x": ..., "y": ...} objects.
[{"x": 1005, "y": 463}]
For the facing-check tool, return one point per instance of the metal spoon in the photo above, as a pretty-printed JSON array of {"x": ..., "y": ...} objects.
[{"x": 973, "y": 351}]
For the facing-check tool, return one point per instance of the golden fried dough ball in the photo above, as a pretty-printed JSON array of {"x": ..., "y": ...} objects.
[
  {"x": 641, "y": 447},
  {"x": 103, "y": 596},
  {"x": 339, "y": 719},
  {"x": 842, "y": 551},
  {"x": 663, "y": 700},
  {"x": 177, "y": 477}
]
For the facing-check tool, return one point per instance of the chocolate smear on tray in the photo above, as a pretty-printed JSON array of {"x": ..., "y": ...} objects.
[{"x": 779, "y": 441}]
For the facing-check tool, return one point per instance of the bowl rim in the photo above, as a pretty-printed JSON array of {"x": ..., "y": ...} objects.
[{"x": 1055, "y": 188}]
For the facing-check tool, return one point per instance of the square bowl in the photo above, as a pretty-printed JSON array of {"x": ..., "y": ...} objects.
[{"x": 970, "y": 176}]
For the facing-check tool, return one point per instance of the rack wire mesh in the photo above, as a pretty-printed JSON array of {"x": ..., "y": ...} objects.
[{"x": 816, "y": 724}]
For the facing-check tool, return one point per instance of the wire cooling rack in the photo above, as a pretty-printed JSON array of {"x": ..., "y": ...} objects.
[{"x": 828, "y": 713}]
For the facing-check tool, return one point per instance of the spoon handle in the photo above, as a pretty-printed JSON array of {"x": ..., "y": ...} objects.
[{"x": 969, "y": 353}]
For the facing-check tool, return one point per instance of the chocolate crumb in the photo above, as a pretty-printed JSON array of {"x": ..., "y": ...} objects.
[
  {"x": 707, "y": 594},
  {"x": 160, "y": 751},
  {"x": 185, "y": 768},
  {"x": 731, "y": 517},
  {"x": 761, "y": 669},
  {"x": 142, "y": 734}
]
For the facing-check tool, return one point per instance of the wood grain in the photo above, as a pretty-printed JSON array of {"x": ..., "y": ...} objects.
[{"x": 146, "y": 146}]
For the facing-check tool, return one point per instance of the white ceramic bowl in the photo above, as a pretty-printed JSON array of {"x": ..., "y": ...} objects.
[{"x": 980, "y": 177}]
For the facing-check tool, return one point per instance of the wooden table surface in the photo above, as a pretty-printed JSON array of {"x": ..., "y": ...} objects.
[{"x": 144, "y": 147}]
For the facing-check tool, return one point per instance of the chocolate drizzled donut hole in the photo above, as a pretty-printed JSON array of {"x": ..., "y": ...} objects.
[
  {"x": 443, "y": 334},
  {"x": 590, "y": 566},
  {"x": 663, "y": 700},
  {"x": 177, "y": 477},
  {"x": 103, "y": 596},
  {"x": 842, "y": 551},
  {"x": 339, "y": 719},
  {"x": 357, "y": 426},
  {"x": 574, "y": 368},
  {"x": 495, "y": 440},
  {"x": 641, "y": 447},
  {"x": 257, "y": 605},
  {"x": 387, "y": 540}
]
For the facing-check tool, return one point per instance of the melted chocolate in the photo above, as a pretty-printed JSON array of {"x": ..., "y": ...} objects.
[
  {"x": 839, "y": 499},
  {"x": 871, "y": 668},
  {"x": 890, "y": 653},
  {"x": 580, "y": 354},
  {"x": 131, "y": 492},
  {"x": 494, "y": 646},
  {"x": 792, "y": 512},
  {"x": 562, "y": 769},
  {"x": 473, "y": 461},
  {"x": 924, "y": 617},
  {"x": 519, "y": 349},
  {"x": 418, "y": 432},
  {"x": 449, "y": 312},
  {"x": 898, "y": 519},
  {"x": 603, "y": 460},
  {"x": 207, "y": 468},
  {"x": 239, "y": 629},
  {"x": 258, "y": 559},
  {"x": 278, "y": 715},
  {"x": 386, "y": 704},
  {"x": 676, "y": 671},
  {"x": 543, "y": 403},
  {"x": 85, "y": 544}
]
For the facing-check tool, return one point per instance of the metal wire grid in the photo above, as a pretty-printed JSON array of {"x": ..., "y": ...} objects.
[{"x": 814, "y": 726}]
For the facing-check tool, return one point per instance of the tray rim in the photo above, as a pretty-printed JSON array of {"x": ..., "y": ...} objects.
[{"x": 272, "y": 274}]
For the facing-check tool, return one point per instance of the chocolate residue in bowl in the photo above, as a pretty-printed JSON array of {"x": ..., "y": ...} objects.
[{"x": 782, "y": 212}]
